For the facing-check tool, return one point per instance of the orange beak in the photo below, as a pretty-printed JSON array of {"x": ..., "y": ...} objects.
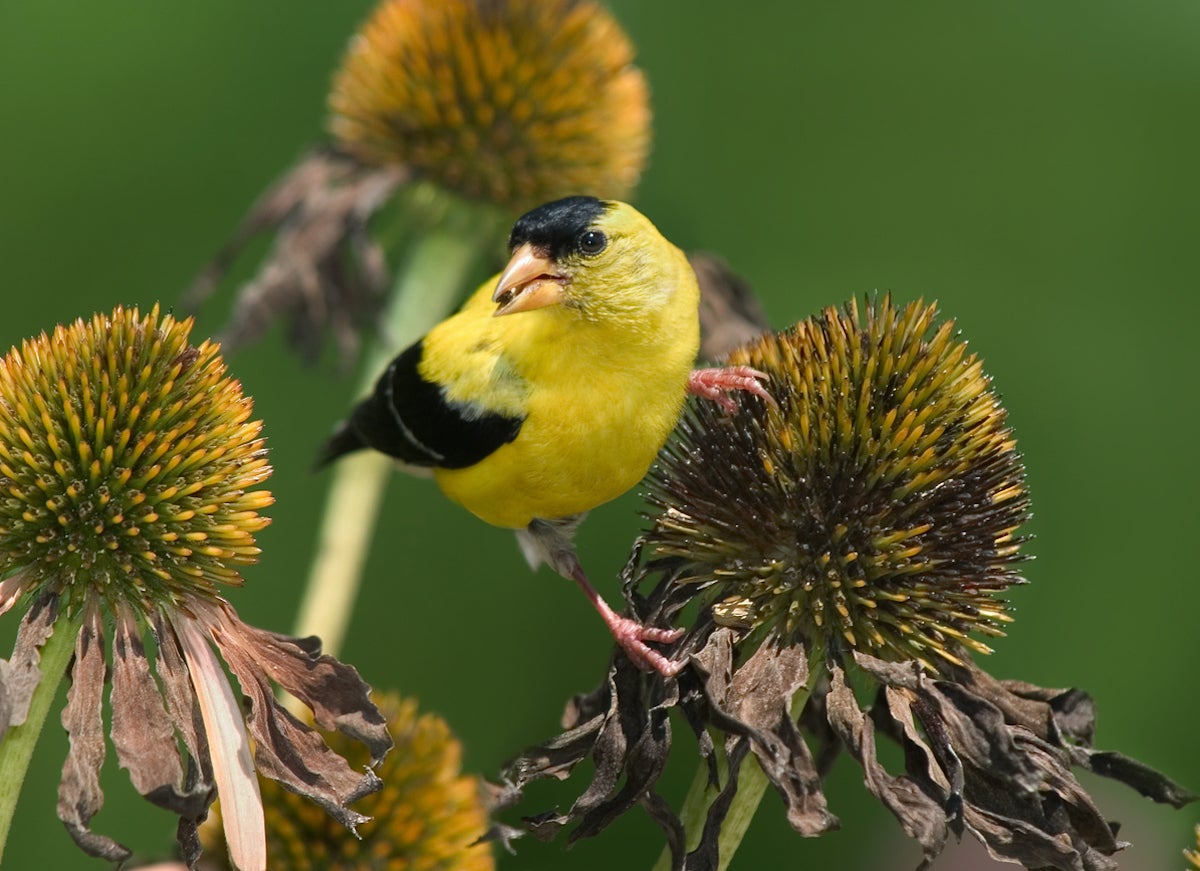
[{"x": 529, "y": 281}]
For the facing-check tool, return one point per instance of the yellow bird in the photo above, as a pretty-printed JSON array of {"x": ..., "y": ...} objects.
[{"x": 551, "y": 391}]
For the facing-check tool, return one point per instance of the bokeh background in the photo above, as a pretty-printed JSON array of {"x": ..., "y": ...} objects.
[{"x": 1032, "y": 166}]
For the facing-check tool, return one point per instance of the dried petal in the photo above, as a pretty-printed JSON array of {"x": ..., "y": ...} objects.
[
  {"x": 337, "y": 696},
  {"x": 79, "y": 794},
  {"x": 760, "y": 698},
  {"x": 1019, "y": 795},
  {"x": 233, "y": 766},
  {"x": 1150, "y": 783},
  {"x": 624, "y": 727},
  {"x": 922, "y": 818},
  {"x": 310, "y": 277},
  {"x": 1072, "y": 710},
  {"x": 141, "y": 730},
  {"x": 20, "y": 675},
  {"x": 180, "y": 699},
  {"x": 291, "y": 752},
  {"x": 638, "y": 748}
]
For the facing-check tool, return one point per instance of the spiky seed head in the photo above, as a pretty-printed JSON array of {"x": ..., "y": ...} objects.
[
  {"x": 514, "y": 103},
  {"x": 126, "y": 461},
  {"x": 427, "y": 815},
  {"x": 875, "y": 507}
]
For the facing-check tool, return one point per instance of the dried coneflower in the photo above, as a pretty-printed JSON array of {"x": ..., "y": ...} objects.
[
  {"x": 884, "y": 492},
  {"x": 427, "y": 816},
  {"x": 128, "y": 468},
  {"x": 865, "y": 523},
  {"x": 499, "y": 104}
]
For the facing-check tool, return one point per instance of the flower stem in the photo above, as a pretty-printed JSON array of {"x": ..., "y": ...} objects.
[
  {"x": 752, "y": 783},
  {"x": 16, "y": 749},
  {"x": 428, "y": 288}
]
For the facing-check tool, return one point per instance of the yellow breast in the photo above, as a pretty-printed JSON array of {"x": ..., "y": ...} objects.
[{"x": 599, "y": 399}]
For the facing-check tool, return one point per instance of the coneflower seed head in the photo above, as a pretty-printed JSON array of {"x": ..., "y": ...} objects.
[
  {"x": 126, "y": 458},
  {"x": 875, "y": 507}
]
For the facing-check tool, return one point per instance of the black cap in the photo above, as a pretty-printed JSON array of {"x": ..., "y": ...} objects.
[{"x": 556, "y": 226}]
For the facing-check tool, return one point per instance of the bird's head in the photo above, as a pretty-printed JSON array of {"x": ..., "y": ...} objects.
[{"x": 600, "y": 258}]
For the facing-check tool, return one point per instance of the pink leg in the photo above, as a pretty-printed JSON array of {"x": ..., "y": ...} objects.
[
  {"x": 712, "y": 384},
  {"x": 549, "y": 541},
  {"x": 632, "y": 635}
]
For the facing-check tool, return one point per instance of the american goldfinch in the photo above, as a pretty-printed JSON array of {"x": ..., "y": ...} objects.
[{"x": 551, "y": 391}]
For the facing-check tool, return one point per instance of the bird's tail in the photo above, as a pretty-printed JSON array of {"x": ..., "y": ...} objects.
[{"x": 343, "y": 441}]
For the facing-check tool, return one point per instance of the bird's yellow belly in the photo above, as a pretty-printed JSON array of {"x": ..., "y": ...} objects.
[{"x": 562, "y": 464}]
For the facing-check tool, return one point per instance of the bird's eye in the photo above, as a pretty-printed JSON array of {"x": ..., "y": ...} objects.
[{"x": 592, "y": 242}]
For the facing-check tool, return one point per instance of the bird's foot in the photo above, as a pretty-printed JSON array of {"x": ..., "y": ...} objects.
[
  {"x": 550, "y": 541},
  {"x": 713, "y": 384},
  {"x": 632, "y": 637}
]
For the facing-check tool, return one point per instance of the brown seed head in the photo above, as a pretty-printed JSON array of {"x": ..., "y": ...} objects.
[
  {"x": 515, "y": 103},
  {"x": 126, "y": 456},
  {"x": 875, "y": 507}
]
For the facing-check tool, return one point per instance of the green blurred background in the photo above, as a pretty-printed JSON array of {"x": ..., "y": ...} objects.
[{"x": 1031, "y": 165}]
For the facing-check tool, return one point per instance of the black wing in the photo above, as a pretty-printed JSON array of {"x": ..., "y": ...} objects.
[{"x": 409, "y": 418}]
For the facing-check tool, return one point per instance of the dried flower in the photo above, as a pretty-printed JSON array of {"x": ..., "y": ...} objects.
[
  {"x": 325, "y": 270},
  {"x": 127, "y": 466},
  {"x": 428, "y": 816},
  {"x": 877, "y": 504},
  {"x": 502, "y": 105},
  {"x": 867, "y": 521}
]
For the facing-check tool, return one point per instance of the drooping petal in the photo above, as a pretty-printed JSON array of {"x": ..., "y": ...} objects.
[
  {"x": 79, "y": 794},
  {"x": 11, "y": 589},
  {"x": 922, "y": 818},
  {"x": 624, "y": 728},
  {"x": 760, "y": 695},
  {"x": 288, "y": 750},
  {"x": 142, "y": 732},
  {"x": 1019, "y": 795},
  {"x": 20, "y": 675},
  {"x": 233, "y": 766},
  {"x": 1153, "y": 784},
  {"x": 184, "y": 711},
  {"x": 639, "y": 746},
  {"x": 180, "y": 697},
  {"x": 311, "y": 277},
  {"x": 338, "y": 697}
]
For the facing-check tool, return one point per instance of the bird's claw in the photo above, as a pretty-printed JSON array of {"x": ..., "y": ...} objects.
[
  {"x": 713, "y": 384},
  {"x": 632, "y": 637}
]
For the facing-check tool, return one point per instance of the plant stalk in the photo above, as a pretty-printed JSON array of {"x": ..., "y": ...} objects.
[
  {"x": 752, "y": 784},
  {"x": 16, "y": 749},
  {"x": 431, "y": 284}
]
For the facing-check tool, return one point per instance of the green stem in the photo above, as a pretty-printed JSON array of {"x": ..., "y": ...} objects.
[
  {"x": 752, "y": 783},
  {"x": 16, "y": 749},
  {"x": 428, "y": 288}
]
